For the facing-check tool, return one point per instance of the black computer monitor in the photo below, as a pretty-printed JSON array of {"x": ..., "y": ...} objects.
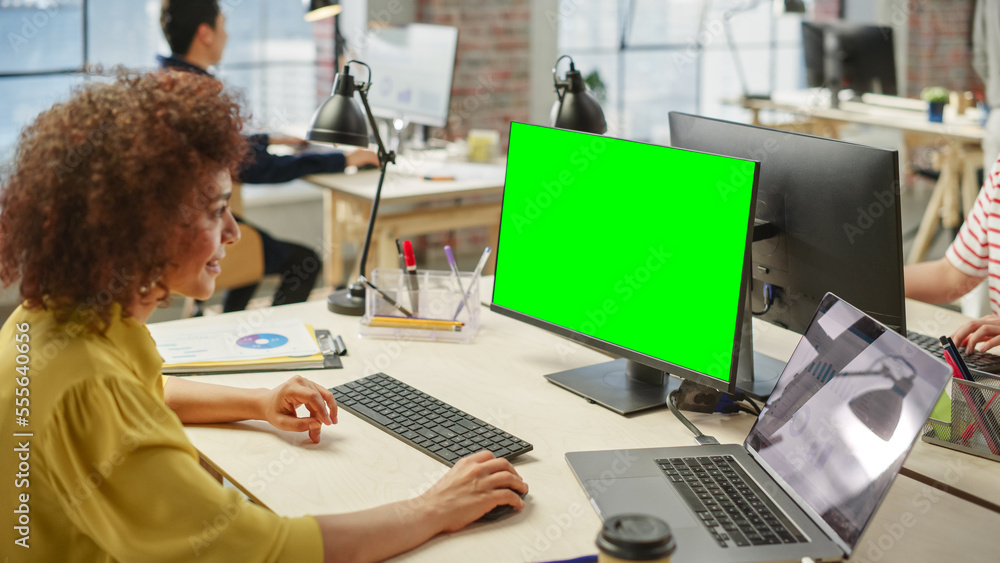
[
  {"x": 635, "y": 249},
  {"x": 834, "y": 209},
  {"x": 846, "y": 55},
  {"x": 413, "y": 68}
]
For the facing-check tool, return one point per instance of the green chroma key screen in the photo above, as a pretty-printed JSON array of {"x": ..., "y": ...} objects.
[{"x": 638, "y": 245}]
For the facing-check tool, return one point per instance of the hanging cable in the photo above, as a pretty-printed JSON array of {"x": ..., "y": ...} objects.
[
  {"x": 768, "y": 300},
  {"x": 698, "y": 436}
]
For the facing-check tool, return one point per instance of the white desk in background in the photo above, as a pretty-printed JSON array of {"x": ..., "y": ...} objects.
[
  {"x": 410, "y": 205},
  {"x": 960, "y": 137},
  {"x": 498, "y": 378}
]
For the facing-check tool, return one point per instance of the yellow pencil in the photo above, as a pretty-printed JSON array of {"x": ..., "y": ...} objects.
[{"x": 419, "y": 324}]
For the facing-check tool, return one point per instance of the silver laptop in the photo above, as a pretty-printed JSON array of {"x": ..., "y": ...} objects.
[{"x": 815, "y": 467}]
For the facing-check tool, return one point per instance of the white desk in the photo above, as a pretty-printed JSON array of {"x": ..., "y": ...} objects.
[
  {"x": 957, "y": 185},
  {"x": 499, "y": 379},
  {"x": 410, "y": 205}
]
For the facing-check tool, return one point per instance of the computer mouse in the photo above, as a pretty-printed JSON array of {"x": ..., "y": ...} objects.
[
  {"x": 367, "y": 166},
  {"x": 499, "y": 511}
]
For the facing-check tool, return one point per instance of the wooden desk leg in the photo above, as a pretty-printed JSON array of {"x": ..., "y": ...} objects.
[
  {"x": 947, "y": 182},
  {"x": 973, "y": 160},
  {"x": 333, "y": 243},
  {"x": 422, "y": 221},
  {"x": 950, "y": 217}
]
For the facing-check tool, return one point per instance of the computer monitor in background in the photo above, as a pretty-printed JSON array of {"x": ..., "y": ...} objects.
[
  {"x": 635, "y": 249},
  {"x": 845, "y": 55},
  {"x": 835, "y": 208},
  {"x": 412, "y": 69}
]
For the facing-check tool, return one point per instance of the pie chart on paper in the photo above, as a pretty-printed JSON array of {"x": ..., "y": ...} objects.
[{"x": 262, "y": 341}]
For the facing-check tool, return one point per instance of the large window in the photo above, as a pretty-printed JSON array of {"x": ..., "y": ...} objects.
[
  {"x": 271, "y": 55},
  {"x": 657, "y": 56}
]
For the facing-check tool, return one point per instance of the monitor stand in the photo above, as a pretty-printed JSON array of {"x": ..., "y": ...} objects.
[
  {"x": 766, "y": 371},
  {"x": 623, "y": 386}
]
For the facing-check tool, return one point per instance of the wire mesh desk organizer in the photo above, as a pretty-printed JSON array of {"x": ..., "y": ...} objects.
[
  {"x": 425, "y": 305},
  {"x": 975, "y": 412}
]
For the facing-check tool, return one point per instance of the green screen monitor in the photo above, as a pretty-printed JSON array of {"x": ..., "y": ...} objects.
[{"x": 638, "y": 250}]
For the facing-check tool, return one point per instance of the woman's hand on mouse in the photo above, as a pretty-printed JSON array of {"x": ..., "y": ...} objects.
[{"x": 475, "y": 485}]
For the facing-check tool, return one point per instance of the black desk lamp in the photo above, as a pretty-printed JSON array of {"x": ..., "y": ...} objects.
[
  {"x": 340, "y": 120},
  {"x": 321, "y": 9},
  {"x": 576, "y": 108}
]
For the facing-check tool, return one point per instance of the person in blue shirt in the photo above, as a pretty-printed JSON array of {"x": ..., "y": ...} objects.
[{"x": 196, "y": 33}]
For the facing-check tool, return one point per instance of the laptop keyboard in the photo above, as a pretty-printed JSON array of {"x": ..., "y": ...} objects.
[
  {"x": 729, "y": 504},
  {"x": 433, "y": 427},
  {"x": 981, "y": 361}
]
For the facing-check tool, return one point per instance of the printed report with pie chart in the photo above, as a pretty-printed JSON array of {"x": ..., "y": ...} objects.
[{"x": 287, "y": 344}]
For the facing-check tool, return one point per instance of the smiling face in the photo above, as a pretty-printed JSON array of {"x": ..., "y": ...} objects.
[{"x": 192, "y": 273}]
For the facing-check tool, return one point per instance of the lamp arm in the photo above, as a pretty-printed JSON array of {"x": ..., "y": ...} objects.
[
  {"x": 384, "y": 158},
  {"x": 889, "y": 375}
]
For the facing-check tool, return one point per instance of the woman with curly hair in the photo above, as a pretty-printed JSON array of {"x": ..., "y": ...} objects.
[{"x": 117, "y": 198}]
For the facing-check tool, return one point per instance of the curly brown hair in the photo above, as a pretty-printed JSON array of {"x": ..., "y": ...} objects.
[{"x": 102, "y": 187}]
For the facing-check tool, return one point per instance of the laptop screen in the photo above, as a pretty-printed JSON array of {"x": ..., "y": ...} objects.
[{"x": 844, "y": 414}]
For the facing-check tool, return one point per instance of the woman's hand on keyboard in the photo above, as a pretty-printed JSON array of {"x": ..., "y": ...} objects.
[
  {"x": 474, "y": 486},
  {"x": 279, "y": 406},
  {"x": 986, "y": 329}
]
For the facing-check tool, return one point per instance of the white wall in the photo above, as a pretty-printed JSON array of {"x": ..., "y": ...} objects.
[{"x": 544, "y": 35}]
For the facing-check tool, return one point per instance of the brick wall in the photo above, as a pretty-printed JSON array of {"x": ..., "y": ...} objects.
[
  {"x": 939, "y": 46},
  {"x": 325, "y": 67},
  {"x": 491, "y": 83}
]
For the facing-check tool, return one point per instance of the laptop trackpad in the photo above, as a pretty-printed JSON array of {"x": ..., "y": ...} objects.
[{"x": 645, "y": 495}]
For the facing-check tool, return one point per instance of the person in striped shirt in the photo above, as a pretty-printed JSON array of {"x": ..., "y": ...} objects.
[{"x": 973, "y": 256}]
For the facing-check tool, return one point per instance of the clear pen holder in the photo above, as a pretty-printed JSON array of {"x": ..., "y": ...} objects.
[{"x": 440, "y": 312}]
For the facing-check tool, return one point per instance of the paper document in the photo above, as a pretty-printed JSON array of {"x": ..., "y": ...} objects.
[{"x": 230, "y": 343}]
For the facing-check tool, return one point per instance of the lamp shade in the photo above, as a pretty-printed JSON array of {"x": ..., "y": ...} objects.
[
  {"x": 340, "y": 119},
  {"x": 321, "y": 9},
  {"x": 577, "y": 108},
  {"x": 880, "y": 409}
]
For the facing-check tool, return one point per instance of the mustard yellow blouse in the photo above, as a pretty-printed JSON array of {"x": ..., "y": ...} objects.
[{"x": 102, "y": 469}]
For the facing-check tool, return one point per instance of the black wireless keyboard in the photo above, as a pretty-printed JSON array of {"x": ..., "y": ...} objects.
[
  {"x": 433, "y": 427},
  {"x": 981, "y": 361}
]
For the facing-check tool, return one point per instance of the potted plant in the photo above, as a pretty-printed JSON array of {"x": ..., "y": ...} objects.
[{"x": 936, "y": 97}]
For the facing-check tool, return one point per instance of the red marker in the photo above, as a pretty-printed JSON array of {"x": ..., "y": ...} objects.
[{"x": 411, "y": 271}]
